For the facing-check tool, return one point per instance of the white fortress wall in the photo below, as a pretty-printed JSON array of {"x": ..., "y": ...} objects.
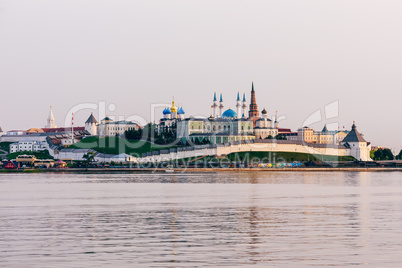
[{"x": 248, "y": 147}]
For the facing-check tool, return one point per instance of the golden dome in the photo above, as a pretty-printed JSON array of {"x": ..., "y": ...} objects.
[{"x": 173, "y": 109}]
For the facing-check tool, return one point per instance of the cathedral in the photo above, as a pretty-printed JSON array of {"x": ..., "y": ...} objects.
[{"x": 170, "y": 117}]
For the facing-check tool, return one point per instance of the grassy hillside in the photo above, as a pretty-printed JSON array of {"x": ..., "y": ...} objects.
[
  {"x": 39, "y": 155},
  {"x": 115, "y": 145}
]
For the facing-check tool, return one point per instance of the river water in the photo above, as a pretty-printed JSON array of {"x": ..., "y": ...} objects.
[{"x": 266, "y": 219}]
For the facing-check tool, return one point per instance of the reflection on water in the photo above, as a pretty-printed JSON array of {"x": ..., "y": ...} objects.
[{"x": 191, "y": 220}]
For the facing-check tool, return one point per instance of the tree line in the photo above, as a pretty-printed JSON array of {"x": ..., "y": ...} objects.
[{"x": 385, "y": 154}]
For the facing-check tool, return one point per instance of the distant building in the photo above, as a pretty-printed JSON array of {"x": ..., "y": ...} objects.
[
  {"x": 107, "y": 127},
  {"x": 27, "y": 145},
  {"x": 62, "y": 129},
  {"x": 324, "y": 136},
  {"x": 91, "y": 125},
  {"x": 10, "y": 165},
  {"x": 1, "y": 131},
  {"x": 50, "y": 120},
  {"x": 263, "y": 127},
  {"x": 66, "y": 142},
  {"x": 110, "y": 128},
  {"x": 16, "y": 132},
  {"x": 359, "y": 147},
  {"x": 34, "y": 130},
  {"x": 27, "y": 160},
  {"x": 215, "y": 130}
]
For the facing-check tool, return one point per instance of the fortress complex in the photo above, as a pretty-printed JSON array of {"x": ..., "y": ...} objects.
[{"x": 228, "y": 125}]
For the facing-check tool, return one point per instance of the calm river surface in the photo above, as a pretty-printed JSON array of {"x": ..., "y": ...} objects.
[{"x": 267, "y": 219}]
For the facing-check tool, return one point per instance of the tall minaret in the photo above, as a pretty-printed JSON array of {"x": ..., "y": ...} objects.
[
  {"x": 221, "y": 106},
  {"x": 238, "y": 105},
  {"x": 215, "y": 107},
  {"x": 244, "y": 107},
  {"x": 50, "y": 120},
  {"x": 253, "y": 113}
]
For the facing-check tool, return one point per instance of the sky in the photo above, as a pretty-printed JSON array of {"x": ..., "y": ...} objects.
[{"x": 134, "y": 55}]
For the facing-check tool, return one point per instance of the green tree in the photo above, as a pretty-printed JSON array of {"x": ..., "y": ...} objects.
[
  {"x": 280, "y": 137},
  {"x": 133, "y": 134},
  {"x": 383, "y": 154},
  {"x": 399, "y": 156},
  {"x": 89, "y": 157}
]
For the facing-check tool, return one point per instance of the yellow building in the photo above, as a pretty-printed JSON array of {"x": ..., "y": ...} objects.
[{"x": 325, "y": 136}]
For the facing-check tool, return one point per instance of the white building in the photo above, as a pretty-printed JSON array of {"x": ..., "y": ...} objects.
[
  {"x": 110, "y": 128},
  {"x": 51, "y": 120},
  {"x": 67, "y": 142},
  {"x": 16, "y": 132},
  {"x": 359, "y": 147},
  {"x": 27, "y": 145},
  {"x": 72, "y": 154},
  {"x": 91, "y": 125},
  {"x": 216, "y": 130},
  {"x": 263, "y": 128}
]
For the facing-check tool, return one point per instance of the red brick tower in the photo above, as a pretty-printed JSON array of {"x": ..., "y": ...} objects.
[{"x": 253, "y": 112}]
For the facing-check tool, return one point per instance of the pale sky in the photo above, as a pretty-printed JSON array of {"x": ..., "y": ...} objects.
[{"x": 302, "y": 55}]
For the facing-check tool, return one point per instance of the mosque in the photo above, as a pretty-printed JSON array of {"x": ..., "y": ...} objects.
[{"x": 223, "y": 125}]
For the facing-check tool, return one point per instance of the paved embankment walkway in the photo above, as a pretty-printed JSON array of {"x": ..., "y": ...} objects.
[{"x": 204, "y": 170}]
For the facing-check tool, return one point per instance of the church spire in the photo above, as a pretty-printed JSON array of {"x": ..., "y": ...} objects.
[{"x": 51, "y": 120}]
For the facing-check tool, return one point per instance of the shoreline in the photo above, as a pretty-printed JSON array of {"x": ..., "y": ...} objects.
[{"x": 196, "y": 170}]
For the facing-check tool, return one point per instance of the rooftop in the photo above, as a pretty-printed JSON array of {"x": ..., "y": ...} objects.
[
  {"x": 91, "y": 120},
  {"x": 354, "y": 136}
]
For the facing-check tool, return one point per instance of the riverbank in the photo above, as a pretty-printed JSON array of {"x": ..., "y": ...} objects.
[{"x": 196, "y": 170}]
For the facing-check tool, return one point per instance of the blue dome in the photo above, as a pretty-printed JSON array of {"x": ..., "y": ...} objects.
[
  {"x": 180, "y": 111},
  {"x": 229, "y": 113},
  {"x": 167, "y": 111}
]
